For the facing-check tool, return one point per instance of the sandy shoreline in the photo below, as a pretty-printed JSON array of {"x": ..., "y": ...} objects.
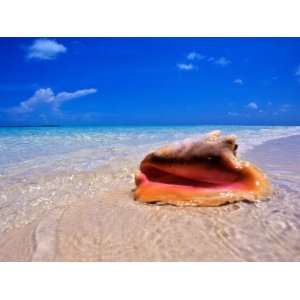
[{"x": 110, "y": 226}]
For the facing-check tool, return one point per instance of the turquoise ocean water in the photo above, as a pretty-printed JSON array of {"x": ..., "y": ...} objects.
[{"x": 88, "y": 147}]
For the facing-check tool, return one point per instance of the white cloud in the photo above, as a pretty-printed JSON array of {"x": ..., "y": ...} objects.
[
  {"x": 45, "y": 49},
  {"x": 222, "y": 61},
  {"x": 252, "y": 105},
  {"x": 186, "y": 67},
  {"x": 47, "y": 97},
  {"x": 238, "y": 81},
  {"x": 195, "y": 56}
]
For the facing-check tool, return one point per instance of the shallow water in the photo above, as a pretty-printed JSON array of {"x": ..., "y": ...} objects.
[{"x": 65, "y": 194}]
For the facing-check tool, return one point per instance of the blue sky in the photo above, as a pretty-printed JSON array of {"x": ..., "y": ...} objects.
[{"x": 149, "y": 81}]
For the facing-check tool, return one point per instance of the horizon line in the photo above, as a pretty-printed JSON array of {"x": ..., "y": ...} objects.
[{"x": 139, "y": 125}]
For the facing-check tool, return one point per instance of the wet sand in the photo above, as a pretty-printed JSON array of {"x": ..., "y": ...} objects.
[{"x": 105, "y": 224}]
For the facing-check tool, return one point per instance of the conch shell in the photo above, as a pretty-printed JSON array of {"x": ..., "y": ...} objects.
[{"x": 201, "y": 172}]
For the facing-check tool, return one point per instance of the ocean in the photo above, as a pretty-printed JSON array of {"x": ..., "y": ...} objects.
[
  {"x": 82, "y": 148},
  {"x": 69, "y": 188}
]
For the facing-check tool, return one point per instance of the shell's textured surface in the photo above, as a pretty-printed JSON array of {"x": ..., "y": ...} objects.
[{"x": 201, "y": 172}]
